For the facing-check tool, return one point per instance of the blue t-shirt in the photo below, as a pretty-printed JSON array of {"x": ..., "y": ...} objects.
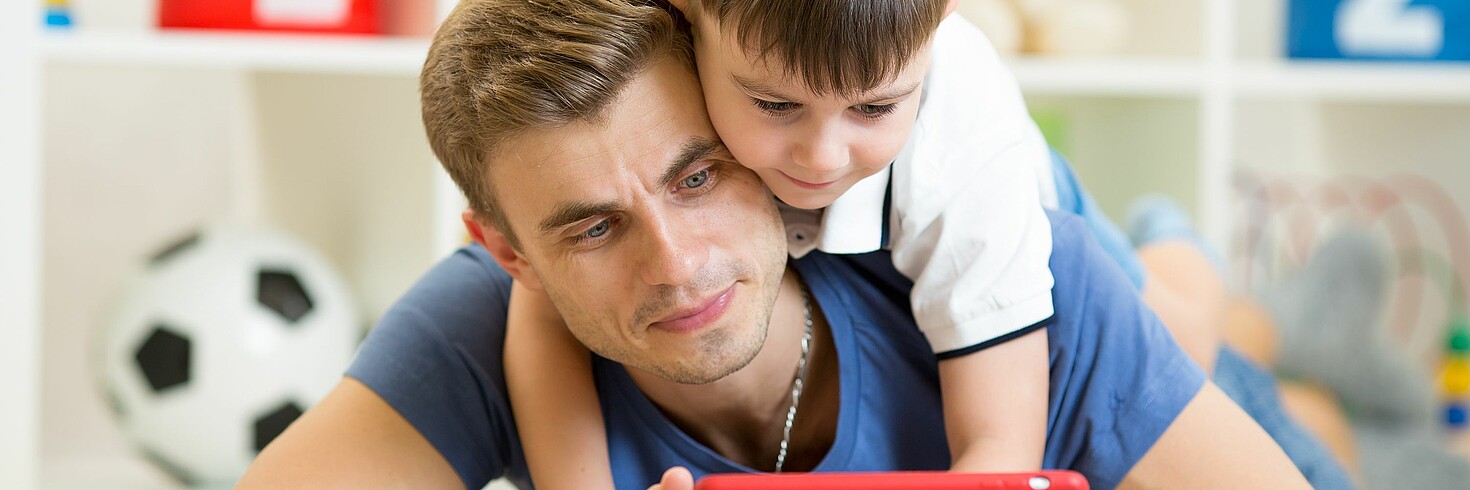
[{"x": 1117, "y": 377}]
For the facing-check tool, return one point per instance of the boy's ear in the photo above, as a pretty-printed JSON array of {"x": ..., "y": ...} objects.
[
  {"x": 683, "y": 6},
  {"x": 500, "y": 249},
  {"x": 948, "y": 7}
]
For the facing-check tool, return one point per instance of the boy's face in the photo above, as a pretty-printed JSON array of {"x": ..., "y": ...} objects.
[{"x": 809, "y": 148}]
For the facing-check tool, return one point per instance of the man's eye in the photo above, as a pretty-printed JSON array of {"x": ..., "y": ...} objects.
[
  {"x": 695, "y": 180},
  {"x": 773, "y": 108},
  {"x": 875, "y": 110},
  {"x": 597, "y": 230}
]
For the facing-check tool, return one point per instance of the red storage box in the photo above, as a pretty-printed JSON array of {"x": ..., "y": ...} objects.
[{"x": 324, "y": 16}]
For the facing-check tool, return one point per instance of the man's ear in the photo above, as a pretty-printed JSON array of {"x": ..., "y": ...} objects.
[
  {"x": 949, "y": 7},
  {"x": 500, "y": 249}
]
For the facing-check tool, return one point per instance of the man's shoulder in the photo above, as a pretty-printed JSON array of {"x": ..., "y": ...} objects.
[
  {"x": 1088, "y": 281},
  {"x": 1079, "y": 264},
  {"x": 449, "y": 328},
  {"x": 458, "y": 305},
  {"x": 469, "y": 275}
]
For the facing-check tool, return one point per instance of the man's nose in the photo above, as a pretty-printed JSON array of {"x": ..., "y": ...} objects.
[{"x": 674, "y": 253}]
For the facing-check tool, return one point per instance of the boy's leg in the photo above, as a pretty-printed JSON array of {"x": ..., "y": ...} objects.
[
  {"x": 1187, "y": 294},
  {"x": 1187, "y": 264}
]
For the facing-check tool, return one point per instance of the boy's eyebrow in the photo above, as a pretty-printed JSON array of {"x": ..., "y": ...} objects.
[
  {"x": 760, "y": 89},
  {"x": 694, "y": 150},
  {"x": 897, "y": 93},
  {"x": 757, "y": 88}
]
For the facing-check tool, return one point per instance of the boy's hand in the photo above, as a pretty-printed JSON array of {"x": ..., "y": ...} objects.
[{"x": 676, "y": 478}]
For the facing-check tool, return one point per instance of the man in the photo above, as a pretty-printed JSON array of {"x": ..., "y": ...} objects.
[{"x": 576, "y": 128}]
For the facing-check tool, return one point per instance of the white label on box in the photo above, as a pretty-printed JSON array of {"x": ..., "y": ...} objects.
[
  {"x": 324, "y": 13},
  {"x": 1389, "y": 28}
]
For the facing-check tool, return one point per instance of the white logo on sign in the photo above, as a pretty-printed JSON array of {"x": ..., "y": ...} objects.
[
  {"x": 325, "y": 13},
  {"x": 1389, "y": 28}
]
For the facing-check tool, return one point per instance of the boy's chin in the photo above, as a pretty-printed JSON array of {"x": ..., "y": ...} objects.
[{"x": 808, "y": 200}]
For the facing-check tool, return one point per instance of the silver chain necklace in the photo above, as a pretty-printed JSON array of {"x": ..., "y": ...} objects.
[{"x": 806, "y": 347}]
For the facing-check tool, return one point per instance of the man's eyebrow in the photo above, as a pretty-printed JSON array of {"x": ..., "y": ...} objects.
[
  {"x": 694, "y": 150},
  {"x": 567, "y": 213},
  {"x": 572, "y": 212}
]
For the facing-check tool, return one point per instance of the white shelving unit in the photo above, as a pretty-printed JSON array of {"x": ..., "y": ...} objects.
[
  {"x": 20, "y": 247},
  {"x": 241, "y": 51},
  {"x": 321, "y": 136},
  {"x": 1354, "y": 82}
]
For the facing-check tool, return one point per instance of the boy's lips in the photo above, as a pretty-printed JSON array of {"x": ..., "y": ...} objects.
[
  {"x": 698, "y": 315},
  {"x": 816, "y": 186}
]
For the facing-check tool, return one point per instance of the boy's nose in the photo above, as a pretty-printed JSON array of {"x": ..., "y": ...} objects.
[{"x": 821, "y": 156}]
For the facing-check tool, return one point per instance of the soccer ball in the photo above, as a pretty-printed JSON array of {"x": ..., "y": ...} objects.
[{"x": 223, "y": 340}]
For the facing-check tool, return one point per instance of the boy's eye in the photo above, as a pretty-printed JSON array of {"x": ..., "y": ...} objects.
[
  {"x": 773, "y": 108},
  {"x": 695, "y": 180},
  {"x": 875, "y": 110}
]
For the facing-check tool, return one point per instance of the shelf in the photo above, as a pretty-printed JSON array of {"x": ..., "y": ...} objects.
[
  {"x": 121, "y": 471},
  {"x": 1126, "y": 77},
  {"x": 1355, "y": 81},
  {"x": 257, "y": 51}
]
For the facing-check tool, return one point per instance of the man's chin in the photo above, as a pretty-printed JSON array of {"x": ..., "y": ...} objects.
[{"x": 710, "y": 357}]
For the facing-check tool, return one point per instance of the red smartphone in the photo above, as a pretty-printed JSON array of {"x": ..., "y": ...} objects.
[{"x": 899, "y": 480}]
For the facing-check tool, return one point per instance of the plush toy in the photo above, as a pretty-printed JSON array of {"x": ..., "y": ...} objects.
[{"x": 1074, "y": 27}]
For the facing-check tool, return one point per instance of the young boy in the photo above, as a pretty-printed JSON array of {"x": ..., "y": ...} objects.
[{"x": 880, "y": 124}]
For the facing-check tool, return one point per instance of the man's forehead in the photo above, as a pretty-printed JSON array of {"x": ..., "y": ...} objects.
[
  {"x": 652, "y": 118},
  {"x": 648, "y": 135}
]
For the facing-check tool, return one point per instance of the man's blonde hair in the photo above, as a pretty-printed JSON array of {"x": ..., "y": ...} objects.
[
  {"x": 835, "y": 46},
  {"x": 499, "y": 68}
]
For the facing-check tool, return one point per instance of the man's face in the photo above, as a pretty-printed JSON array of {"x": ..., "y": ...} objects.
[{"x": 661, "y": 252}]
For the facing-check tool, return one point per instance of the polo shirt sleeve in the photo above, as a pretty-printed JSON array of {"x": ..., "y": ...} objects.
[
  {"x": 435, "y": 357},
  {"x": 1118, "y": 378},
  {"x": 970, "y": 229}
]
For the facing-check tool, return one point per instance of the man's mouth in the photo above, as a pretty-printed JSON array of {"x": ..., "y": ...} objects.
[{"x": 697, "y": 315}]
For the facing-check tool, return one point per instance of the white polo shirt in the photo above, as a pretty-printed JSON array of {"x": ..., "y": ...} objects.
[{"x": 960, "y": 207}]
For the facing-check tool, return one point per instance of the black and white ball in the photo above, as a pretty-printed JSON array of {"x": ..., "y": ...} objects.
[{"x": 222, "y": 341}]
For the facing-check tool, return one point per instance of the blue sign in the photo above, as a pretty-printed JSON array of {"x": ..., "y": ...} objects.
[{"x": 1422, "y": 30}]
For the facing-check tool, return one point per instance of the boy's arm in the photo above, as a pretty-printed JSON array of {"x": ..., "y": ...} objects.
[
  {"x": 557, "y": 414},
  {"x": 995, "y": 405},
  {"x": 976, "y": 242},
  {"x": 352, "y": 439}
]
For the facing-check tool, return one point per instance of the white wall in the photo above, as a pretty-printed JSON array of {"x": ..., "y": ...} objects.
[
  {"x": 134, "y": 158},
  {"x": 20, "y": 274}
]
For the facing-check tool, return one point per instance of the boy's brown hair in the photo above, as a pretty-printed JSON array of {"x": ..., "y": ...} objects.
[
  {"x": 841, "y": 47},
  {"x": 499, "y": 68}
]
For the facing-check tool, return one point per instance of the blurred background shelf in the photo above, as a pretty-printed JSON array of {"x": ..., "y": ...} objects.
[
  {"x": 1343, "y": 80},
  {"x": 306, "y": 53},
  {"x": 1103, "y": 77}
]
